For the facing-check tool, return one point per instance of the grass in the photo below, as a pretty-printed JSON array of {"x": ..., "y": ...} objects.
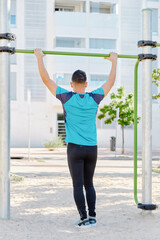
[
  {"x": 156, "y": 170},
  {"x": 16, "y": 178},
  {"x": 40, "y": 160}
]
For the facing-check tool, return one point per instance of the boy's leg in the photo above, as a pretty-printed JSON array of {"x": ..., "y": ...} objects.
[
  {"x": 89, "y": 167},
  {"x": 75, "y": 156}
]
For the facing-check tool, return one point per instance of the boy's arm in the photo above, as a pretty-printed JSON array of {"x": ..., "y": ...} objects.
[
  {"x": 112, "y": 76},
  {"x": 51, "y": 85}
]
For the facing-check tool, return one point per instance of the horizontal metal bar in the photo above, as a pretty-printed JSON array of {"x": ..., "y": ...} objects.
[{"x": 76, "y": 54}]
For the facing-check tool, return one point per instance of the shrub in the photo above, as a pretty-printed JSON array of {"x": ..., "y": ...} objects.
[
  {"x": 55, "y": 143},
  {"x": 16, "y": 178}
]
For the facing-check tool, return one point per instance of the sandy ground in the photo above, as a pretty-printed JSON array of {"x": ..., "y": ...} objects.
[{"x": 42, "y": 205}]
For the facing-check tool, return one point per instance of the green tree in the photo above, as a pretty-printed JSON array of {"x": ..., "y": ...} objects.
[
  {"x": 126, "y": 110},
  {"x": 156, "y": 81}
]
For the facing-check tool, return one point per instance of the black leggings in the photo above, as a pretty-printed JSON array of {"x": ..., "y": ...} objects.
[{"x": 82, "y": 161}]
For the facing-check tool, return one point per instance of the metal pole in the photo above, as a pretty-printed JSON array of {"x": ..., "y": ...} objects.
[
  {"x": 29, "y": 123},
  {"x": 4, "y": 117},
  {"x": 135, "y": 128},
  {"x": 147, "y": 111},
  {"x": 117, "y": 116}
]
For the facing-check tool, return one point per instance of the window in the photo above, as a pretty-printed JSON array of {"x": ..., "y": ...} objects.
[
  {"x": 102, "y": 43},
  {"x": 13, "y": 21},
  {"x": 98, "y": 79},
  {"x": 102, "y": 7},
  {"x": 70, "y": 6},
  {"x": 61, "y": 126},
  {"x": 60, "y": 117},
  {"x": 13, "y": 86},
  {"x": 64, "y": 9},
  {"x": 94, "y": 7},
  {"x": 13, "y": 14},
  {"x": 154, "y": 21},
  {"x": 63, "y": 78},
  {"x": 70, "y": 42}
]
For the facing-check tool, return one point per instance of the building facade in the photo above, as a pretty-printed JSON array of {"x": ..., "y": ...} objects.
[{"x": 80, "y": 26}]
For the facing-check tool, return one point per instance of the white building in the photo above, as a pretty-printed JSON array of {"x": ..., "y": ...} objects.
[{"x": 81, "y": 26}]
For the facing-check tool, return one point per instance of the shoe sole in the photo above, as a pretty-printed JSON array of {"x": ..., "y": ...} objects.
[
  {"x": 93, "y": 224},
  {"x": 88, "y": 226}
]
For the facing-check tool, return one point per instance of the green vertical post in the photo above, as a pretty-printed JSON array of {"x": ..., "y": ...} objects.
[{"x": 135, "y": 128}]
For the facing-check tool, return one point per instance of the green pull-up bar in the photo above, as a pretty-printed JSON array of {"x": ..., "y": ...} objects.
[{"x": 82, "y": 54}]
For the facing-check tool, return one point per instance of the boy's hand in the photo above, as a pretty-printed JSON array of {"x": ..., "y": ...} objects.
[
  {"x": 113, "y": 57},
  {"x": 38, "y": 52}
]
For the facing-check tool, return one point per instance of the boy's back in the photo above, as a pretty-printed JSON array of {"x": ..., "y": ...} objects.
[{"x": 80, "y": 115}]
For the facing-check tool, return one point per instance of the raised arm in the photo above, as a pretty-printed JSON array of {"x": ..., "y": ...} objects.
[
  {"x": 51, "y": 85},
  {"x": 112, "y": 76}
]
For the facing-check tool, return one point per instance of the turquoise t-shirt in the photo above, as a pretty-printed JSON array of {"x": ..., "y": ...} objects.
[{"x": 80, "y": 115}]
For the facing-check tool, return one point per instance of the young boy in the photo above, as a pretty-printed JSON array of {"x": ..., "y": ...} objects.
[{"x": 80, "y": 110}]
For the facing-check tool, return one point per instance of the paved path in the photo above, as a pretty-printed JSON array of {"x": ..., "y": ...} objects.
[
  {"x": 47, "y": 162},
  {"x": 42, "y": 206}
]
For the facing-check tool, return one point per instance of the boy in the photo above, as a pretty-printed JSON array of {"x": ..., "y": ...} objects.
[{"x": 80, "y": 110}]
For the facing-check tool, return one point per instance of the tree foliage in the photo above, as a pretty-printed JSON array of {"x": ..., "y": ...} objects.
[
  {"x": 156, "y": 81},
  {"x": 125, "y": 104}
]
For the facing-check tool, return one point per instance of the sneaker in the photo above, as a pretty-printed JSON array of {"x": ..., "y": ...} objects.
[
  {"x": 83, "y": 223},
  {"x": 92, "y": 221}
]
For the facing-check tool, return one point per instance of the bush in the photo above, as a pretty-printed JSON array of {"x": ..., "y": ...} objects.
[
  {"x": 16, "y": 178},
  {"x": 55, "y": 143}
]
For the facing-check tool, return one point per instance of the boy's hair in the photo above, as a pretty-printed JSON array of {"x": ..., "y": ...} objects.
[{"x": 79, "y": 76}]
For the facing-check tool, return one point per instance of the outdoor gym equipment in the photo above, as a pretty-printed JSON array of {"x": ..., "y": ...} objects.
[{"x": 146, "y": 57}]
